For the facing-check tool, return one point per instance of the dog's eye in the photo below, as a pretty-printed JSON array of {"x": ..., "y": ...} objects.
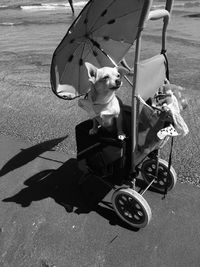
[{"x": 106, "y": 77}]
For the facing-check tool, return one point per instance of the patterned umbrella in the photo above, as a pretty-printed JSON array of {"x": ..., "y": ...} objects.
[{"x": 101, "y": 34}]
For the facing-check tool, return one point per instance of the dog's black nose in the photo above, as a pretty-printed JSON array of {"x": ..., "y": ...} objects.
[{"x": 118, "y": 82}]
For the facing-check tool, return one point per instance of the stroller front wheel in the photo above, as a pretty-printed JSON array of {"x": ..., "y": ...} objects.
[
  {"x": 165, "y": 178},
  {"x": 131, "y": 207}
]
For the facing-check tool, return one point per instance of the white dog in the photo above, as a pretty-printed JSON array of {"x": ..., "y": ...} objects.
[{"x": 101, "y": 102}]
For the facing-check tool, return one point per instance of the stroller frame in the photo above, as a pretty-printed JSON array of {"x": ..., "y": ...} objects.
[
  {"x": 129, "y": 204},
  {"x": 153, "y": 15}
]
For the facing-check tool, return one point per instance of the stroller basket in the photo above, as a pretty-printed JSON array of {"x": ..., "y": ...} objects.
[
  {"x": 150, "y": 122},
  {"x": 102, "y": 151}
]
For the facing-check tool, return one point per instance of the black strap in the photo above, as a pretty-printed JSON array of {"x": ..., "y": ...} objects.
[
  {"x": 169, "y": 165},
  {"x": 163, "y": 52}
]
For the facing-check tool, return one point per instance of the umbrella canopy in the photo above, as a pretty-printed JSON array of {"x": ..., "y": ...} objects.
[{"x": 101, "y": 34}]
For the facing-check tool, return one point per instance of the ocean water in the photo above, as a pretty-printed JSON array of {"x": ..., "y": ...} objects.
[{"x": 25, "y": 26}]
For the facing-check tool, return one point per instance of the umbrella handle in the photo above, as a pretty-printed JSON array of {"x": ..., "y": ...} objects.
[
  {"x": 159, "y": 14},
  {"x": 125, "y": 77},
  {"x": 70, "y": 97}
]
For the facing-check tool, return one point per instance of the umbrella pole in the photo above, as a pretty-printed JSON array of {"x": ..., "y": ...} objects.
[
  {"x": 135, "y": 101},
  {"x": 135, "y": 104}
]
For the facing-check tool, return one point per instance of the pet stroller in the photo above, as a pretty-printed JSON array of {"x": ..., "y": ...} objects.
[{"x": 102, "y": 34}]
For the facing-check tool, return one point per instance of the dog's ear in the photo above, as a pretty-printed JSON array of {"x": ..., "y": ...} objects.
[
  {"x": 123, "y": 71},
  {"x": 92, "y": 71},
  {"x": 177, "y": 87}
]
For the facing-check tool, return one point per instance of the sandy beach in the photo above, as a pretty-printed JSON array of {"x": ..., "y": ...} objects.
[{"x": 37, "y": 139}]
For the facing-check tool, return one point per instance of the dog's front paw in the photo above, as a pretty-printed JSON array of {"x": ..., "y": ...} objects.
[
  {"x": 121, "y": 137},
  {"x": 93, "y": 131}
]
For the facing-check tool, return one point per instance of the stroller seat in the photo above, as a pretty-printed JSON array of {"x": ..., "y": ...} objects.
[
  {"x": 103, "y": 152},
  {"x": 151, "y": 75}
]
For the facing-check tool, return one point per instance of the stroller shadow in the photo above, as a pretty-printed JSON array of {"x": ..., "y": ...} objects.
[
  {"x": 29, "y": 154},
  {"x": 63, "y": 186}
]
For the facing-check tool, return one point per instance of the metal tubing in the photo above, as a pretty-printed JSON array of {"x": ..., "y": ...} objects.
[
  {"x": 164, "y": 34},
  {"x": 135, "y": 103},
  {"x": 169, "y": 4},
  {"x": 161, "y": 14},
  {"x": 168, "y": 8},
  {"x": 158, "y": 14},
  {"x": 134, "y": 115},
  {"x": 148, "y": 187}
]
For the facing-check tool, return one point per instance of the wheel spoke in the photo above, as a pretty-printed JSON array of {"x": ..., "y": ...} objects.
[
  {"x": 149, "y": 169},
  {"x": 121, "y": 202},
  {"x": 130, "y": 208},
  {"x": 165, "y": 177},
  {"x": 137, "y": 206}
]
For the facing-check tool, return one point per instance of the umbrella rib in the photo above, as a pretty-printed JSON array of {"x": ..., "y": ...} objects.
[
  {"x": 105, "y": 9},
  {"x": 113, "y": 2},
  {"x": 99, "y": 50},
  {"x": 92, "y": 30},
  {"x": 79, "y": 69},
  {"x": 96, "y": 44},
  {"x": 79, "y": 65},
  {"x": 66, "y": 66},
  {"x": 86, "y": 15}
]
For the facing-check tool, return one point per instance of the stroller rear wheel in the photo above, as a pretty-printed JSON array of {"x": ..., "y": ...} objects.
[
  {"x": 131, "y": 207},
  {"x": 164, "y": 178}
]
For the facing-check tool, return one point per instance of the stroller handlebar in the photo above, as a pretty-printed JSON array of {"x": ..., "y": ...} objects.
[
  {"x": 165, "y": 15},
  {"x": 158, "y": 14}
]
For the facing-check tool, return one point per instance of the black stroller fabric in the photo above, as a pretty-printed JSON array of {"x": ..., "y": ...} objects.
[
  {"x": 104, "y": 154},
  {"x": 150, "y": 122}
]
